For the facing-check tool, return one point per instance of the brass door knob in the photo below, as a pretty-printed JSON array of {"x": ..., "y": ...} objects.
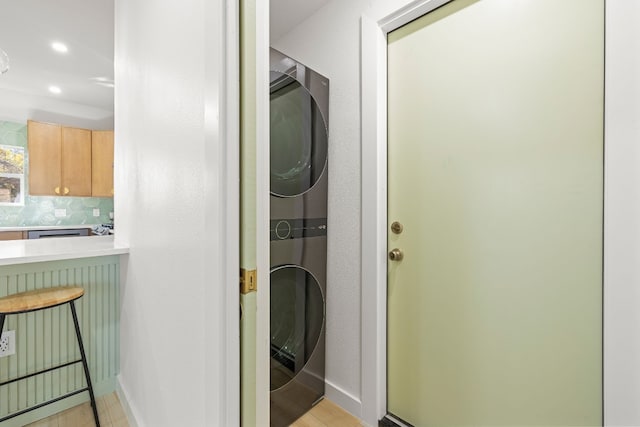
[
  {"x": 396, "y": 227},
  {"x": 56, "y": 190},
  {"x": 66, "y": 190},
  {"x": 396, "y": 255}
]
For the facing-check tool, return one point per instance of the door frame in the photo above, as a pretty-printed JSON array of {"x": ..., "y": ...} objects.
[
  {"x": 263, "y": 299},
  {"x": 373, "y": 78},
  {"x": 620, "y": 176}
]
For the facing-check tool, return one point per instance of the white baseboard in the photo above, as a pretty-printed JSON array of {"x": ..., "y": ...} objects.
[
  {"x": 344, "y": 399},
  {"x": 124, "y": 401}
]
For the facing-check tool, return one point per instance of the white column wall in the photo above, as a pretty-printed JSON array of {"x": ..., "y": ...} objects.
[
  {"x": 329, "y": 42},
  {"x": 622, "y": 215},
  {"x": 172, "y": 207}
]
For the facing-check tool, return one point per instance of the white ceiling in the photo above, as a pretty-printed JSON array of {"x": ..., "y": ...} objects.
[
  {"x": 287, "y": 14},
  {"x": 27, "y": 29}
]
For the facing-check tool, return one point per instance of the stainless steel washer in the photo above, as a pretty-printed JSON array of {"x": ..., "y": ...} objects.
[{"x": 298, "y": 295}]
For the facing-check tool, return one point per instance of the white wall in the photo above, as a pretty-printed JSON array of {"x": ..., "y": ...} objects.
[
  {"x": 329, "y": 42},
  {"x": 622, "y": 215},
  {"x": 171, "y": 200}
]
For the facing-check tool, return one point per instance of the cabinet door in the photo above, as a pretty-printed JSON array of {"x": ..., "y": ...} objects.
[
  {"x": 45, "y": 144},
  {"x": 102, "y": 163},
  {"x": 76, "y": 162},
  {"x": 11, "y": 235}
]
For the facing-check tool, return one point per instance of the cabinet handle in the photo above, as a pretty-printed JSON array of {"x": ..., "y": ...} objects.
[
  {"x": 56, "y": 190},
  {"x": 66, "y": 190},
  {"x": 112, "y": 191}
]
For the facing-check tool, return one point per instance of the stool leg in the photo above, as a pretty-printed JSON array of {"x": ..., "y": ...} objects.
[
  {"x": 84, "y": 363},
  {"x": 2, "y": 316}
]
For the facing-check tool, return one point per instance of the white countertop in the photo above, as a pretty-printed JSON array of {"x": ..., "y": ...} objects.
[
  {"x": 59, "y": 248},
  {"x": 45, "y": 227}
]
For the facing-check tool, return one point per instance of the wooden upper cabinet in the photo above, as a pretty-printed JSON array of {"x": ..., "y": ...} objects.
[
  {"x": 102, "y": 163},
  {"x": 59, "y": 160},
  {"x": 45, "y": 158},
  {"x": 76, "y": 162}
]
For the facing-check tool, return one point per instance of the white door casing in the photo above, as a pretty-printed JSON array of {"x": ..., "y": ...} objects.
[{"x": 374, "y": 202}]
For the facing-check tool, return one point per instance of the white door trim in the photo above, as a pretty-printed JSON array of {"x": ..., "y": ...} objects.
[
  {"x": 263, "y": 301},
  {"x": 374, "y": 201},
  {"x": 222, "y": 123}
]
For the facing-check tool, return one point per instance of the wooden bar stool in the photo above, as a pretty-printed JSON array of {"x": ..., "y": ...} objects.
[{"x": 41, "y": 299}]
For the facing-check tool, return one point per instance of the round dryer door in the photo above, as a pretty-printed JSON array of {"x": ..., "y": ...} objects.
[
  {"x": 298, "y": 142},
  {"x": 297, "y": 317}
]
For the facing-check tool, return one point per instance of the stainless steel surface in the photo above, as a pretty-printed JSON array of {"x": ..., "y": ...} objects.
[
  {"x": 68, "y": 232},
  {"x": 297, "y": 393},
  {"x": 298, "y": 237},
  {"x": 298, "y": 137},
  {"x": 310, "y": 201},
  {"x": 315, "y": 83}
]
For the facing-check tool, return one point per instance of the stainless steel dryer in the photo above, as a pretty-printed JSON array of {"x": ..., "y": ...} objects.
[
  {"x": 299, "y": 139},
  {"x": 299, "y": 147}
]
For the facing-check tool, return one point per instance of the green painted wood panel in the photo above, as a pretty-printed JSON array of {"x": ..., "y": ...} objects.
[
  {"x": 47, "y": 338},
  {"x": 248, "y": 208},
  {"x": 248, "y": 358}
]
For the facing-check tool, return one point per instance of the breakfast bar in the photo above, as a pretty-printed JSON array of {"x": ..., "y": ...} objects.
[
  {"x": 55, "y": 249},
  {"x": 45, "y": 338}
]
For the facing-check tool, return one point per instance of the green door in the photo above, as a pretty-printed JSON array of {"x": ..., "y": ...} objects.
[{"x": 495, "y": 154}]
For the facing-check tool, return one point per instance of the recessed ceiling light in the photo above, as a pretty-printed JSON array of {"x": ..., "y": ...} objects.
[
  {"x": 55, "y": 89},
  {"x": 59, "y": 47}
]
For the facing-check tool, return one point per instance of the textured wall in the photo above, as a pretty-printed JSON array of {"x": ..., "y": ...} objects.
[
  {"x": 39, "y": 210},
  {"x": 171, "y": 204}
]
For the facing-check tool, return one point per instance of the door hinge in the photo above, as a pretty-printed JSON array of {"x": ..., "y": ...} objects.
[{"x": 248, "y": 281}]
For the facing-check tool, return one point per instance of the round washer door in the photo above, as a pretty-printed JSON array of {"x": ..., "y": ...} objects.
[
  {"x": 297, "y": 317},
  {"x": 298, "y": 143}
]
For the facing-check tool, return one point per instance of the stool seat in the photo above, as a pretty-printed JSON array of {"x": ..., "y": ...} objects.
[{"x": 39, "y": 299}]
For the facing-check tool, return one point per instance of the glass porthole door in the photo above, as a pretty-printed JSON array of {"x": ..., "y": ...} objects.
[
  {"x": 297, "y": 317},
  {"x": 298, "y": 137}
]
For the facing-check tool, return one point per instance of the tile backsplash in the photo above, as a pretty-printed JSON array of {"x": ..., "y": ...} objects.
[{"x": 40, "y": 210}]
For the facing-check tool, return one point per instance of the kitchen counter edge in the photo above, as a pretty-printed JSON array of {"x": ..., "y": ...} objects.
[
  {"x": 45, "y": 227},
  {"x": 54, "y": 249}
]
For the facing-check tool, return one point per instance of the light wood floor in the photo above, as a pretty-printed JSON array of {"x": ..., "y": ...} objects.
[
  {"x": 327, "y": 414},
  {"x": 109, "y": 411},
  {"x": 324, "y": 414}
]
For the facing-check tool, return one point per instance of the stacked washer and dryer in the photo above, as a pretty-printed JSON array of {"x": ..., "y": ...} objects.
[{"x": 298, "y": 227}]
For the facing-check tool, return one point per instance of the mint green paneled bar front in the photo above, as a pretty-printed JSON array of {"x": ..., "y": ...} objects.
[{"x": 46, "y": 338}]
